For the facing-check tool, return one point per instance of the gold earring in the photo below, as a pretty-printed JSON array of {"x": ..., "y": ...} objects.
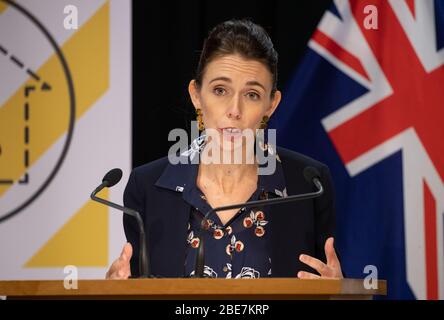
[
  {"x": 264, "y": 122},
  {"x": 200, "y": 123}
]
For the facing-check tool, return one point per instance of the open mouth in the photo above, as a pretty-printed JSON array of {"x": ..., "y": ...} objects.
[{"x": 230, "y": 133}]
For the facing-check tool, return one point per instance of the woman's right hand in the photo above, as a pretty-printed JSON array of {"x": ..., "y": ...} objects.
[{"x": 120, "y": 269}]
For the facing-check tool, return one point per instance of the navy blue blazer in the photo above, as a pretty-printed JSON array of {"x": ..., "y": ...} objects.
[{"x": 298, "y": 227}]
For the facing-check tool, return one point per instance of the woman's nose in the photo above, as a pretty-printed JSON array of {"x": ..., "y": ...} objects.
[
  {"x": 234, "y": 112},
  {"x": 233, "y": 115}
]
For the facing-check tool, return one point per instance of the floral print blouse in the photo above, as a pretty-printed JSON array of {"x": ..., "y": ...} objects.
[{"x": 242, "y": 249}]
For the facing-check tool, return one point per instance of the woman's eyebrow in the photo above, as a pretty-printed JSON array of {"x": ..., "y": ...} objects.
[
  {"x": 221, "y": 78},
  {"x": 249, "y": 83},
  {"x": 255, "y": 83}
]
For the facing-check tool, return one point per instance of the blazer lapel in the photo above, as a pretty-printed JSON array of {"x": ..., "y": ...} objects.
[{"x": 169, "y": 225}]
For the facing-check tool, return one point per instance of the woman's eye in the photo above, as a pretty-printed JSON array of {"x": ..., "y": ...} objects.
[
  {"x": 253, "y": 95},
  {"x": 219, "y": 91}
]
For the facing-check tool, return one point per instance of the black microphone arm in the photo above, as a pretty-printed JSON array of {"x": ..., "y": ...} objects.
[
  {"x": 312, "y": 175},
  {"x": 144, "y": 265}
]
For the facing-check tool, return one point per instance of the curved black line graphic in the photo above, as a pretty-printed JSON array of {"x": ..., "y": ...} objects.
[{"x": 72, "y": 110}]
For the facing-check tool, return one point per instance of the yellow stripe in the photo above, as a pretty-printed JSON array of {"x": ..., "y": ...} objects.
[
  {"x": 3, "y": 6},
  {"x": 87, "y": 53},
  {"x": 82, "y": 241}
]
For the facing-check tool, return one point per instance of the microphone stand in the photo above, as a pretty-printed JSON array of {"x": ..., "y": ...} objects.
[
  {"x": 144, "y": 266},
  {"x": 200, "y": 257}
]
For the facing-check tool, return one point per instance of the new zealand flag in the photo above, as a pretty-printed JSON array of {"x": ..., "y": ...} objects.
[{"x": 368, "y": 100}]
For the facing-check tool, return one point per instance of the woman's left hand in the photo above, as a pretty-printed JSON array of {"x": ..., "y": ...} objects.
[{"x": 329, "y": 270}]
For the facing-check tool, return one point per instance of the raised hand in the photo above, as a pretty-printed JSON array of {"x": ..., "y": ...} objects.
[
  {"x": 329, "y": 270},
  {"x": 120, "y": 269}
]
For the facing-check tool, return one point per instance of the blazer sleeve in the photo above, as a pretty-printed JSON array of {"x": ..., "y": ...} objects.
[
  {"x": 325, "y": 216},
  {"x": 133, "y": 197}
]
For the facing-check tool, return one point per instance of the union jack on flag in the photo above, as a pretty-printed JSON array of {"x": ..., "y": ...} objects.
[{"x": 370, "y": 103}]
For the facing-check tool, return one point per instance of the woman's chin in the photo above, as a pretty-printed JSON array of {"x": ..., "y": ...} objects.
[{"x": 229, "y": 144}]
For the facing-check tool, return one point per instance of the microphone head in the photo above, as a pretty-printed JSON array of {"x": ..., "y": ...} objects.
[
  {"x": 310, "y": 173},
  {"x": 112, "y": 177}
]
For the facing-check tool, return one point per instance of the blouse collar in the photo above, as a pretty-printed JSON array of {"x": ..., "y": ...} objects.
[{"x": 182, "y": 176}]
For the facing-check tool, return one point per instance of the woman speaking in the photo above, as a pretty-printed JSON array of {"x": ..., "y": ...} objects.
[{"x": 234, "y": 91}]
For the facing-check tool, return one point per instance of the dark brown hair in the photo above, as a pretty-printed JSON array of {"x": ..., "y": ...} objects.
[{"x": 241, "y": 37}]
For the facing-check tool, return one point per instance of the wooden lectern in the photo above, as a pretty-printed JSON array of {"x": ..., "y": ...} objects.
[{"x": 168, "y": 288}]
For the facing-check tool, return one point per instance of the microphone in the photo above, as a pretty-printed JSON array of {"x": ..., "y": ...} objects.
[
  {"x": 311, "y": 175},
  {"x": 110, "y": 179}
]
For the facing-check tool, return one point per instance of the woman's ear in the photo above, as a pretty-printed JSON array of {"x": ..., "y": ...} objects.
[
  {"x": 274, "y": 103},
  {"x": 194, "y": 93}
]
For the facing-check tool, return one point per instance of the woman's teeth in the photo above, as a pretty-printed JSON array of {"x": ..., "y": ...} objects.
[{"x": 232, "y": 130}]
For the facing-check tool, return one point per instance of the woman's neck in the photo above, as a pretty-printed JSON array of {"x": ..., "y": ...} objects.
[{"x": 226, "y": 177}]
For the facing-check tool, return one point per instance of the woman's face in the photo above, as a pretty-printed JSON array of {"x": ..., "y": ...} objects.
[{"x": 235, "y": 94}]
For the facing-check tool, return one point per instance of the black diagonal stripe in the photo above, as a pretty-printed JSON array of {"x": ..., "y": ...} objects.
[
  {"x": 5, "y": 52},
  {"x": 17, "y": 61},
  {"x": 33, "y": 74}
]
